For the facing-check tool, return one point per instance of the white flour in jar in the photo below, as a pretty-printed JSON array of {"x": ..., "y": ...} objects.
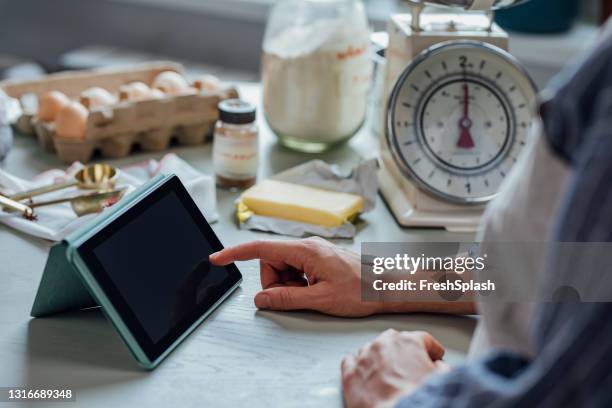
[{"x": 316, "y": 78}]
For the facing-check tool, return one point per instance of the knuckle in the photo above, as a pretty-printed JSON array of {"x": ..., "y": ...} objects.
[
  {"x": 347, "y": 373},
  {"x": 347, "y": 370},
  {"x": 314, "y": 243},
  {"x": 420, "y": 336},
  {"x": 257, "y": 245},
  {"x": 376, "y": 346},
  {"x": 309, "y": 240},
  {"x": 309, "y": 244},
  {"x": 408, "y": 336},
  {"x": 363, "y": 360},
  {"x": 315, "y": 239},
  {"x": 284, "y": 299},
  {"x": 347, "y": 378},
  {"x": 389, "y": 333},
  {"x": 366, "y": 348}
]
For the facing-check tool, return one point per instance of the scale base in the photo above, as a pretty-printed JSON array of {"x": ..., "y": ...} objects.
[{"x": 452, "y": 218}]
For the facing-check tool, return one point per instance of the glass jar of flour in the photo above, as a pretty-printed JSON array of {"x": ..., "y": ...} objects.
[{"x": 316, "y": 72}]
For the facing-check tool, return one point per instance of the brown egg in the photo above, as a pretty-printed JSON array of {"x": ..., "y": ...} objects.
[
  {"x": 96, "y": 97},
  {"x": 171, "y": 83},
  {"x": 208, "y": 83},
  {"x": 71, "y": 121},
  {"x": 134, "y": 91},
  {"x": 50, "y": 104}
]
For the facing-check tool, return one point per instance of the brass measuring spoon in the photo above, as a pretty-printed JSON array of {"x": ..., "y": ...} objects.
[
  {"x": 94, "y": 177},
  {"x": 13, "y": 205},
  {"x": 86, "y": 203}
]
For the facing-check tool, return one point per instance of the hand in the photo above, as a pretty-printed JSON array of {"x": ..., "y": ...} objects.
[
  {"x": 307, "y": 274},
  {"x": 316, "y": 275},
  {"x": 389, "y": 368}
]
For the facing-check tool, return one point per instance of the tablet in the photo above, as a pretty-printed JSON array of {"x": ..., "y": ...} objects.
[{"x": 147, "y": 266}]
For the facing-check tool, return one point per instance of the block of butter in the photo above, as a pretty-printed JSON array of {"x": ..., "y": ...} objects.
[{"x": 300, "y": 203}]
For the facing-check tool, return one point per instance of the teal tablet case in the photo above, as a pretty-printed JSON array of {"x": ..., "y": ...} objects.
[
  {"x": 61, "y": 288},
  {"x": 66, "y": 283}
]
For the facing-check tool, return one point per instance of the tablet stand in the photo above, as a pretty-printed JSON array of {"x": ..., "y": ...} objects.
[{"x": 60, "y": 288}]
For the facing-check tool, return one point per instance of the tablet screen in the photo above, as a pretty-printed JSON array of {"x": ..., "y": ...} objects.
[{"x": 153, "y": 265}]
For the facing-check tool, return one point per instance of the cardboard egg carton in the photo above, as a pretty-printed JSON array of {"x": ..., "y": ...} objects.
[{"x": 115, "y": 130}]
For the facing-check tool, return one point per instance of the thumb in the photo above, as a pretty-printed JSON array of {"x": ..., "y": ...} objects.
[
  {"x": 286, "y": 298},
  {"x": 432, "y": 346}
]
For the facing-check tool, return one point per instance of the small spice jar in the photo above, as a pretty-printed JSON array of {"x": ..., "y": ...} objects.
[{"x": 235, "y": 145}]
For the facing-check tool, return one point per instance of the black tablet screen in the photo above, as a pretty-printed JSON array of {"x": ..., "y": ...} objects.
[{"x": 153, "y": 264}]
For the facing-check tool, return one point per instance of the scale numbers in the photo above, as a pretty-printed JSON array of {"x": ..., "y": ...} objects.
[{"x": 459, "y": 116}]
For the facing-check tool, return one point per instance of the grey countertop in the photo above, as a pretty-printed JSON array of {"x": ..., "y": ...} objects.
[{"x": 237, "y": 357}]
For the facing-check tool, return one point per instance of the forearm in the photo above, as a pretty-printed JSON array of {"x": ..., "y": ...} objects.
[
  {"x": 456, "y": 308},
  {"x": 427, "y": 301}
]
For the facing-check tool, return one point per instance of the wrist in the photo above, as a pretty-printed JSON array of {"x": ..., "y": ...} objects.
[{"x": 459, "y": 308}]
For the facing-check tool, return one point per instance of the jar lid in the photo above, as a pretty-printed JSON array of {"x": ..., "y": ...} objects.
[{"x": 236, "y": 111}]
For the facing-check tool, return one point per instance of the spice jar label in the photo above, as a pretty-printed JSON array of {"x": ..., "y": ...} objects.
[{"x": 235, "y": 158}]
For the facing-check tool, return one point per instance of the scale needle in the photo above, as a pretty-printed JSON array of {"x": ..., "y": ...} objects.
[{"x": 465, "y": 123}]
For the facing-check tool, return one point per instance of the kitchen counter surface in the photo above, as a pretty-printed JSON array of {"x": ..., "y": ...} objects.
[{"x": 237, "y": 357}]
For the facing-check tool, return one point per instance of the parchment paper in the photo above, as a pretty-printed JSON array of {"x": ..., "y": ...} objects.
[{"x": 361, "y": 181}]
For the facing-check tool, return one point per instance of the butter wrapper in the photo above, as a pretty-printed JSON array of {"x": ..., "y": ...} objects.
[{"x": 361, "y": 180}]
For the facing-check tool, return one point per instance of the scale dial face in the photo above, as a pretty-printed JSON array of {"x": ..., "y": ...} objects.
[{"x": 458, "y": 118}]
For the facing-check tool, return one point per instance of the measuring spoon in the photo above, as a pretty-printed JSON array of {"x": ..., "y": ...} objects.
[
  {"x": 86, "y": 203},
  {"x": 94, "y": 177},
  {"x": 13, "y": 205}
]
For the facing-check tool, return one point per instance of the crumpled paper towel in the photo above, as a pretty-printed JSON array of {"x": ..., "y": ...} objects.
[
  {"x": 316, "y": 173},
  {"x": 57, "y": 221}
]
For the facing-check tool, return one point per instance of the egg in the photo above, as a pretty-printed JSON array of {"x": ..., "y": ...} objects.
[
  {"x": 50, "y": 104},
  {"x": 208, "y": 83},
  {"x": 71, "y": 122},
  {"x": 171, "y": 83},
  {"x": 96, "y": 97},
  {"x": 134, "y": 91},
  {"x": 156, "y": 94}
]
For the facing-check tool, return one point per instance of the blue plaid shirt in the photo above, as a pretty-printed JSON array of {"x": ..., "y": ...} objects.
[{"x": 573, "y": 364}]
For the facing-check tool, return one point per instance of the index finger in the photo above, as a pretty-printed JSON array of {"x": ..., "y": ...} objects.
[{"x": 288, "y": 252}]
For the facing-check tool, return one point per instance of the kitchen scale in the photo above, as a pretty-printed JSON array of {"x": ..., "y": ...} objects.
[{"x": 458, "y": 114}]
